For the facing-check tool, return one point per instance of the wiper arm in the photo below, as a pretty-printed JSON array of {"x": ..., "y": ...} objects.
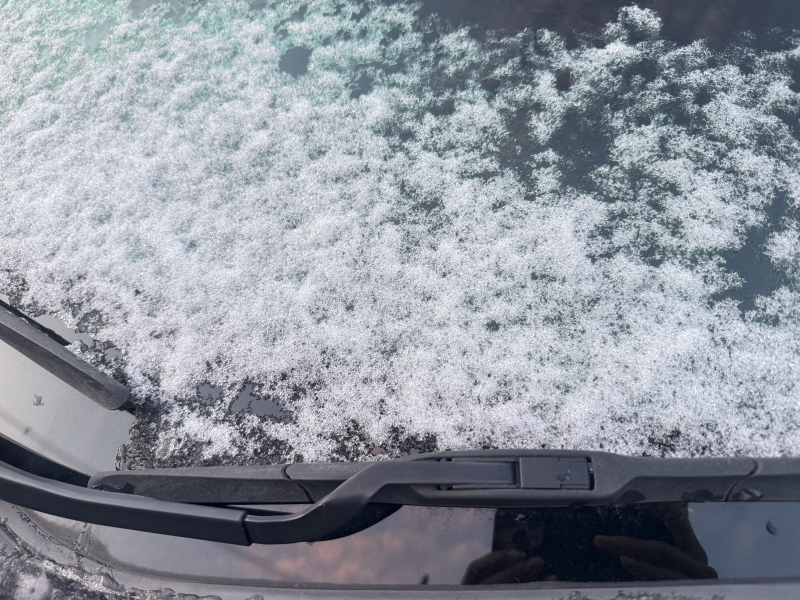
[
  {"x": 46, "y": 348},
  {"x": 121, "y": 510},
  {"x": 336, "y": 509},
  {"x": 236, "y": 526},
  {"x": 517, "y": 478}
]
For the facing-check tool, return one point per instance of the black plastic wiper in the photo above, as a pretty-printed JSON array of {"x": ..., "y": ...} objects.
[
  {"x": 120, "y": 510},
  {"x": 503, "y": 478},
  {"x": 232, "y": 525},
  {"x": 46, "y": 348}
]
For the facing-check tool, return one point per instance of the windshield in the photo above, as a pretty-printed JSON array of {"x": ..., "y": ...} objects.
[
  {"x": 435, "y": 546},
  {"x": 334, "y": 230},
  {"x": 349, "y": 230}
]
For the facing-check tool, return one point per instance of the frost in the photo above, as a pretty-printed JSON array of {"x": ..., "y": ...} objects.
[{"x": 500, "y": 243}]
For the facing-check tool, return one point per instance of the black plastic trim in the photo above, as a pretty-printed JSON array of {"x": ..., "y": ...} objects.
[{"x": 774, "y": 480}]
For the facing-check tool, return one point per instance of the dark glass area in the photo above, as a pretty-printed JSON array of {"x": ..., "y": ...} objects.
[
  {"x": 649, "y": 542},
  {"x": 451, "y": 546},
  {"x": 634, "y": 543}
]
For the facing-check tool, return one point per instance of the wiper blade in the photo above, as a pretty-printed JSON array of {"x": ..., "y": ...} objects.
[
  {"x": 503, "y": 478},
  {"x": 36, "y": 325},
  {"x": 46, "y": 348}
]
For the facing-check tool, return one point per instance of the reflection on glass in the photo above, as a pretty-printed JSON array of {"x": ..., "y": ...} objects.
[
  {"x": 638, "y": 543},
  {"x": 447, "y": 546}
]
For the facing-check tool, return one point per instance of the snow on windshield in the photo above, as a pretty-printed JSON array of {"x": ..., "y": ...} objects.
[{"x": 405, "y": 235}]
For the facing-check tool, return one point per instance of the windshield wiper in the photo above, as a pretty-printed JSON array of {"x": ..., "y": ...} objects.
[
  {"x": 46, "y": 348},
  {"x": 501, "y": 478},
  {"x": 176, "y": 501}
]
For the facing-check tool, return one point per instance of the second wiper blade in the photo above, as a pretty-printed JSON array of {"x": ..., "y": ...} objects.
[
  {"x": 541, "y": 478},
  {"x": 18, "y": 332},
  {"x": 501, "y": 478}
]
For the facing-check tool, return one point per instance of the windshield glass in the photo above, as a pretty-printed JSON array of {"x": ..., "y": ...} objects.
[
  {"x": 340, "y": 230},
  {"x": 451, "y": 546},
  {"x": 352, "y": 230}
]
